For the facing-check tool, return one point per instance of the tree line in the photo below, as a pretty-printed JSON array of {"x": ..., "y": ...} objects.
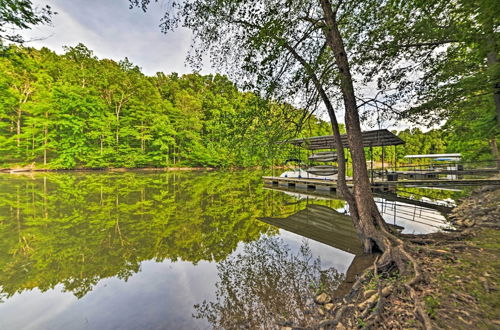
[{"x": 75, "y": 110}]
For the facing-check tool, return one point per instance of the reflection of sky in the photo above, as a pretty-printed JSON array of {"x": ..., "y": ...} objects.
[
  {"x": 330, "y": 257},
  {"x": 161, "y": 295},
  {"x": 415, "y": 219}
]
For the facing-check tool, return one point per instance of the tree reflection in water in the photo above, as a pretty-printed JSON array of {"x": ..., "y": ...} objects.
[
  {"x": 268, "y": 285},
  {"x": 76, "y": 229}
]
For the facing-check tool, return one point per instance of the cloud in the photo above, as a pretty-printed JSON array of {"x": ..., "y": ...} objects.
[{"x": 112, "y": 30}]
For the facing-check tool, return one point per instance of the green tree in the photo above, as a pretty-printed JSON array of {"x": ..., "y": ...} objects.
[{"x": 20, "y": 15}]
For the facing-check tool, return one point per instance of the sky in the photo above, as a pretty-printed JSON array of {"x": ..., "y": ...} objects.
[{"x": 112, "y": 30}]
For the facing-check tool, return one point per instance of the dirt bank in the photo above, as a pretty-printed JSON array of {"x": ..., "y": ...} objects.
[{"x": 460, "y": 279}]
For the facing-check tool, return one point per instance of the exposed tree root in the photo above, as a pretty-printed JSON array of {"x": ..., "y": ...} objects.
[
  {"x": 395, "y": 254},
  {"x": 419, "y": 308}
]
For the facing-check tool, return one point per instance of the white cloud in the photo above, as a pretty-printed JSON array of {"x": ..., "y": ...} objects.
[{"x": 114, "y": 31}]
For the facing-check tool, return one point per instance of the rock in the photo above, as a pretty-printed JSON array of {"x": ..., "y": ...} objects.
[
  {"x": 369, "y": 293},
  {"x": 329, "y": 306},
  {"x": 340, "y": 326},
  {"x": 486, "y": 286},
  {"x": 321, "y": 311},
  {"x": 468, "y": 223},
  {"x": 323, "y": 299}
]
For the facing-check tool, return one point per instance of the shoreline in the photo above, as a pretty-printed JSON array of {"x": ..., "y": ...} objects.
[
  {"x": 14, "y": 170},
  {"x": 117, "y": 169}
]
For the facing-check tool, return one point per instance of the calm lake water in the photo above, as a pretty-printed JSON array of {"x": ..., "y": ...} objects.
[{"x": 177, "y": 250}]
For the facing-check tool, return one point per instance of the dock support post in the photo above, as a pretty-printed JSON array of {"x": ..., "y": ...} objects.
[
  {"x": 395, "y": 158},
  {"x": 383, "y": 160},
  {"x": 371, "y": 162}
]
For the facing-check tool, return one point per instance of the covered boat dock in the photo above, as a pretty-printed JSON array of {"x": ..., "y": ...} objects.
[{"x": 384, "y": 179}]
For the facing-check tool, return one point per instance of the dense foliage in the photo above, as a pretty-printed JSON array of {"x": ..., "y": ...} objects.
[{"x": 70, "y": 110}]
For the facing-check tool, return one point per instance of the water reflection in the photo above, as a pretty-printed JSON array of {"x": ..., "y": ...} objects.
[
  {"x": 77, "y": 229},
  {"x": 267, "y": 285},
  {"x": 138, "y": 250},
  {"x": 412, "y": 210},
  {"x": 322, "y": 224}
]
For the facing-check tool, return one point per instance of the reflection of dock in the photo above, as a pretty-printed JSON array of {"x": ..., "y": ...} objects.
[
  {"x": 325, "y": 225},
  {"x": 386, "y": 195},
  {"x": 322, "y": 224},
  {"x": 395, "y": 198}
]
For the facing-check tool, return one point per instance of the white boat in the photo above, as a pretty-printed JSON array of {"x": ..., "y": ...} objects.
[
  {"x": 323, "y": 170},
  {"x": 324, "y": 156},
  {"x": 302, "y": 174}
]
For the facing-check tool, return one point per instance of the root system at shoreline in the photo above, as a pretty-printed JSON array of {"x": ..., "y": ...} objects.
[{"x": 440, "y": 280}]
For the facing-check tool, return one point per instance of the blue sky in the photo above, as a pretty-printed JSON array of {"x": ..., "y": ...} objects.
[{"x": 112, "y": 30}]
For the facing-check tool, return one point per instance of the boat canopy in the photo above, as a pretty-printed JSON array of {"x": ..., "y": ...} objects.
[{"x": 377, "y": 138}]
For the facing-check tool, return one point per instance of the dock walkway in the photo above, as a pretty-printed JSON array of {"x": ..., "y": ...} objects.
[{"x": 377, "y": 185}]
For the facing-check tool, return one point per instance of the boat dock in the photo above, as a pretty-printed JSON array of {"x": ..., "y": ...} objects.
[{"x": 377, "y": 185}]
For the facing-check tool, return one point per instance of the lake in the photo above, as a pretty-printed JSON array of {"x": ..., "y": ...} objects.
[{"x": 182, "y": 250}]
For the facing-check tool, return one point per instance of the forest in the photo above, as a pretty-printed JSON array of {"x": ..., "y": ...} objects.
[{"x": 77, "y": 111}]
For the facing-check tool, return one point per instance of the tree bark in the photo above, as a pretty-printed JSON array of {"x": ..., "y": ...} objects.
[
  {"x": 45, "y": 138},
  {"x": 368, "y": 215},
  {"x": 18, "y": 128}
]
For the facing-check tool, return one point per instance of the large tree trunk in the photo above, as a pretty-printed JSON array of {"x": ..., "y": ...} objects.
[
  {"x": 341, "y": 175},
  {"x": 368, "y": 217}
]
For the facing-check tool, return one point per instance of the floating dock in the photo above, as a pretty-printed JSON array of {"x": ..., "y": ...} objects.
[{"x": 377, "y": 185}]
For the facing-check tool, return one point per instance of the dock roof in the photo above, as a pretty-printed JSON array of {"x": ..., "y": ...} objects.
[{"x": 377, "y": 138}]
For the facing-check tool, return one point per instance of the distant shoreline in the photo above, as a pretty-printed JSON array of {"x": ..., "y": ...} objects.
[{"x": 14, "y": 170}]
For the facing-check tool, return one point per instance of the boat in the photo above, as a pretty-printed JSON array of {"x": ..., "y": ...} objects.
[
  {"x": 303, "y": 174},
  {"x": 324, "y": 156},
  {"x": 323, "y": 170}
]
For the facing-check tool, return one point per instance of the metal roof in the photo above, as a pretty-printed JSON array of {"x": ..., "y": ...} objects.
[
  {"x": 435, "y": 156},
  {"x": 377, "y": 138}
]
